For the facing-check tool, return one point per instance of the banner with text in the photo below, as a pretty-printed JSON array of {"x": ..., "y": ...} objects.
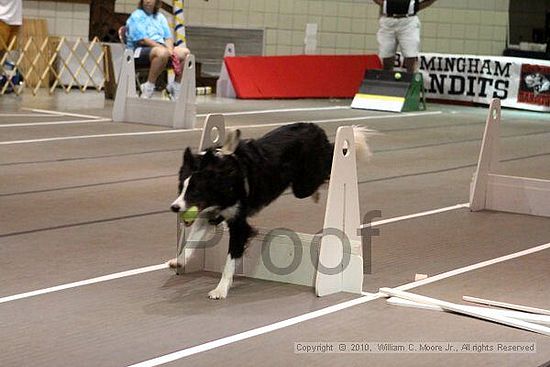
[{"x": 519, "y": 83}]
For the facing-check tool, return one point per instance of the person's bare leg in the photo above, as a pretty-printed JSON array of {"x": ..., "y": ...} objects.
[
  {"x": 182, "y": 53},
  {"x": 388, "y": 63},
  {"x": 411, "y": 64},
  {"x": 159, "y": 57}
]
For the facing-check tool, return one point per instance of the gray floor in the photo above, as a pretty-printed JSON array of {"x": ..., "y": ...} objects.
[{"x": 80, "y": 208}]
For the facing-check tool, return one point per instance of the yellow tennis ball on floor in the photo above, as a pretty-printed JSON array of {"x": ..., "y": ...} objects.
[
  {"x": 189, "y": 216},
  {"x": 397, "y": 76}
]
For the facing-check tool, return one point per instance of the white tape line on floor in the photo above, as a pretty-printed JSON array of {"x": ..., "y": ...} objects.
[
  {"x": 25, "y": 115},
  {"x": 46, "y": 123},
  {"x": 325, "y": 311},
  {"x": 252, "y": 333},
  {"x": 81, "y": 283},
  {"x": 61, "y": 113},
  {"x": 298, "y": 109},
  {"x": 162, "y": 266},
  {"x": 416, "y": 215},
  {"x": 174, "y": 131}
]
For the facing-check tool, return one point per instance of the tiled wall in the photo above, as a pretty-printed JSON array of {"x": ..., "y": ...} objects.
[
  {"x": 64, "y": 19},
  {"x": 345, "y": 26}
]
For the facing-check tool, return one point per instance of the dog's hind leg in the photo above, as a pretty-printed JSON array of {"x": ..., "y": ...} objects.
[
  {"x": 239, "y": 233},
  {"x": 312, "y": 172},
  {"x": 303, "y": 187}
]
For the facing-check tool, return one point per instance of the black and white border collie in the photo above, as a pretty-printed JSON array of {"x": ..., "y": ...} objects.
[{"x": 236, "y": 181}]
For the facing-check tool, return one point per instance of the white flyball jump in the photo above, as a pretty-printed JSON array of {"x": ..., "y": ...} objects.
[
  {"x": 330, "y": 263},
  {"x": 178, "y": 114},
  {"x": 492, "y": 191},
  {"x": 224, "y": 86}
]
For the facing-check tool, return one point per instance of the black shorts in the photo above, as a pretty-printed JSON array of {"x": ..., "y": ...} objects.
[{"x": 143, "y": 60}]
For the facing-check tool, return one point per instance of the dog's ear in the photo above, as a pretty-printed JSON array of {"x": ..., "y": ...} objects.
[
  {"x": 189, "y": 159},
  {"x": 207, "y": 158},
  {"x": 231, "y": 142}
]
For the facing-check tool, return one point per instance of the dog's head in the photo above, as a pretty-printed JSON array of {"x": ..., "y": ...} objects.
[{"x": 210, "y": 180}]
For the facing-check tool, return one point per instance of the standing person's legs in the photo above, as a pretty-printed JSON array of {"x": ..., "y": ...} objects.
[
  {"x": 388, "y": 63},
  {"x": 387, "y": 41},
  {"x": 408, "y": 36}
]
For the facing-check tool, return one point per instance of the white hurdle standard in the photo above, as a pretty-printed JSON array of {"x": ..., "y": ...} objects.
[
  {"x": 493, "y": 191},
  {"x": 224, "y": 86},
  {"x": 330, "y": 263},
  {"x": 128, "y": 107}
]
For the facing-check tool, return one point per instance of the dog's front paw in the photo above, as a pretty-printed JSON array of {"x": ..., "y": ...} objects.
[
  {"x": 173, "y": 263},
  {"x": 218, "y": 293}
]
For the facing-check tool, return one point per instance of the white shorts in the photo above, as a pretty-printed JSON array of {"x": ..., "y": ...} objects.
[{"x": 404, "y": 32}]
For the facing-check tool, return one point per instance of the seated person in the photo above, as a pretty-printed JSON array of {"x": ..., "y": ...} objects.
[{"x": 147, "y": 33}]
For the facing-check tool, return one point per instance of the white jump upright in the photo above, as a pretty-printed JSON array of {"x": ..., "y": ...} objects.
[
  {"x": 342, "y": 215},
  {"x": 128, "y": 107},
  {"x": 330, "y": 263},
  {"x": 492, "y": 191},
  {"x": 224, "y": 86}
]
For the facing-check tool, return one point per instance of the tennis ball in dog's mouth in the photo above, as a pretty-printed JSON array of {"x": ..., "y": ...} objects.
[{"x": 189, "y": 216}]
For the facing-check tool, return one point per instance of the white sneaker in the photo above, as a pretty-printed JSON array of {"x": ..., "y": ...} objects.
[
  {"x": 147, "y": 90},
  {"x": 174, "y": 89}
]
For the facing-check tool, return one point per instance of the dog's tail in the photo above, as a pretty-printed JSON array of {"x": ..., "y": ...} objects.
[{"x": 362, "y": 148}]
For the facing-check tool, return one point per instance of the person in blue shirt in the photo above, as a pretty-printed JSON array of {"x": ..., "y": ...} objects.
[{"x": 148, "y": 34}]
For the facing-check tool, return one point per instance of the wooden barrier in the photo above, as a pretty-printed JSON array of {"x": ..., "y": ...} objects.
[{"x": 52, "y": 62}]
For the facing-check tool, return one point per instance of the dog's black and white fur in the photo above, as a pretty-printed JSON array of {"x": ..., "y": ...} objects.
[{"x": 236, "y": 181}]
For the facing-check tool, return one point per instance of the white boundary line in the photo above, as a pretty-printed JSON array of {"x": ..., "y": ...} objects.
[
  {"x": 25, "y": 115},
  {"x": 253, "y": 332},
  {"x": 367, "y": 297},
  {"x": 340, "y": 119},
  {"x": 253, "y": 112},
  {"x": 153, "y": 267},
  {"x": 158, "y": 267},
  {"x": 44, "y": 123},
  {"x": 466, "y": 269},
  {"x": 48, "y": 112},
  {"x": 83, "y": 282},
  {"x": 59, "y": 113},
  {"x": 173, "y": 131},
  {"x": 83, "y": 137},
  {"x": 416, "y": 215},
  {"x": 299, "y": 109}
]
